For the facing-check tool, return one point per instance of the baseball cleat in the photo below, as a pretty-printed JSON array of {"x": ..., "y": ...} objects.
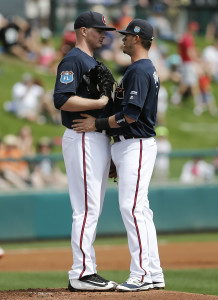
[
  {"x": 158, "y": 285},
  {"x": 91, "y": 282},
  {"x": 134, "y": 284},
  {"x": 109, "y": 281}
]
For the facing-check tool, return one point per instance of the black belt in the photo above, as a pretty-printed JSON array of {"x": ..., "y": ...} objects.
[{"x": 119, "y": 138}]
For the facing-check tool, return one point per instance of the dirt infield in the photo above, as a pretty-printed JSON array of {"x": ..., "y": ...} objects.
[{"x": 173, "y": 256}]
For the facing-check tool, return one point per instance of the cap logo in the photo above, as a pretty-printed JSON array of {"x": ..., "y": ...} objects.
[
  {"x": 137, "y": 29},
  {"x": 103, "y": 19}
]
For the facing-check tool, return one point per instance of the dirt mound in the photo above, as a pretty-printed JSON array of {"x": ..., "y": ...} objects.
[{"x": 64, "y": 294}]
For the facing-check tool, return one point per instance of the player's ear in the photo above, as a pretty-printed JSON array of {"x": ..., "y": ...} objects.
[
  {"x": 83, "y": 31},
  {"x": 137, "y": 38}
]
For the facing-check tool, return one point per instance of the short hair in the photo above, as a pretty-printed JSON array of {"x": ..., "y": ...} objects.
[{"x": 146, "y": 44}]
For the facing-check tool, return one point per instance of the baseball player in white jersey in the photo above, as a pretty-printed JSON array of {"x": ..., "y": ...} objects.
[
  {"x": 134, "y": 153},
  {"x": 87, "y": 155}
]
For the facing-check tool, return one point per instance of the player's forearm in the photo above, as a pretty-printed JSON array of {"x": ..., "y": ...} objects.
[
  {"x": 76, "y": 103},
  {"x": 113, "y": 123}
]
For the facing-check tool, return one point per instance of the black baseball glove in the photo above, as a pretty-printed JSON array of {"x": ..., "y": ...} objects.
[
  {"x": 99, "y": 81},
  {"x": 113, "y": 171}
]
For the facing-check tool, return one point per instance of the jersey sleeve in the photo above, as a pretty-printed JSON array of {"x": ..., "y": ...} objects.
[{"x": 68, "y": 78}]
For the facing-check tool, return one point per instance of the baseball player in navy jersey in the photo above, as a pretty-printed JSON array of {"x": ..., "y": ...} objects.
[
  {"x": 87, "y": 155},
  {"x": 134, "y": 153}
]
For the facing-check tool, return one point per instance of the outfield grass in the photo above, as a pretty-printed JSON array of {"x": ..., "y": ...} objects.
[
  {"x": 119, "y": 240},
  {"x": 192, "y": 281}
]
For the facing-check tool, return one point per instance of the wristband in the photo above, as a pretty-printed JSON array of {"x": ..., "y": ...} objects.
[
  {"x": 120, "y": 119},
  {"x": 102, "y": 124}
]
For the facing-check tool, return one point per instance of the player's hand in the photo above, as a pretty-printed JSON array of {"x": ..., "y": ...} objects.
[
  {"x": 103, "y": 101},
  {"x": 84, "y": 125}
]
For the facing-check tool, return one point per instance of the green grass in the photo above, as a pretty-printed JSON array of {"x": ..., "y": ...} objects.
[
  {"x": 192, "y": 281},
  {"x": 119, "y": 240}
]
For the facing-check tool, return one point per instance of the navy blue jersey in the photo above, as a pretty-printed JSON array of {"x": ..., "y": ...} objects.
[
  {"x": 136, "y": 95},
  {"x": 69, "y": 82}
]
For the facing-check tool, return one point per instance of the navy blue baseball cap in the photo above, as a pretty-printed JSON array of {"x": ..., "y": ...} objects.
[
  {"x": 139, "y": 27},
  {"x": 91, "y": 19}
]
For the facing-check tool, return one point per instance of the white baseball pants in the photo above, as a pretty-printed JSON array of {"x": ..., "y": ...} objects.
[
  {"x": 87, "y": 160},
  {"x": 134, "y": 160}
]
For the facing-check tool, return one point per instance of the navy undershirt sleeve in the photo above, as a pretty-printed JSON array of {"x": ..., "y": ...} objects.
[
  {"x": 60, "y": 99},
  {"x": 132, "y": 111}
]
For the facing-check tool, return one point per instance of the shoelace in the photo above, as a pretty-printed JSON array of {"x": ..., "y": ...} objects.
[{"x": 135, "y": 281}]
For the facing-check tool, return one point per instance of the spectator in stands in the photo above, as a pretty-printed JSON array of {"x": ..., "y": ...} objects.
[
  {"x": 38, "y": 12},
  {"x": 141, "y": 9},
  {"x": 190, "y": 59},
  {"x": 48, "y": 111},
  {"x": 68, "y": 40},
  {"x": 174, "y": 63},
  {"x": 210, "y": 58},
  {"x": 162, "y": 105},
  {"x": 206, "y": 97},
  {"x": 26, "y": 99},
  {"x": 47, "y": 53},
  {"x": 157, "y": 54},
  {"x": 212, "y": 28},
  {"x": 197, "y": 171},
  {"x": 162, "y": 164},
  {"x": 126, "y": 16},
  {"x": 25, "y": 141},
  {"x": 161, "y": 24},
  {"x": 15, "y": 35},
  {"x": 121, "y": 59},
  {"x": 15, "y": 172},
  {"x": 46, "y": 173}
]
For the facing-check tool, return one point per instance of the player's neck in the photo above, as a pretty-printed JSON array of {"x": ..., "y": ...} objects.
[
  {"x": 84, "y": 47},
  {"x": 135, "y": 58},
  {"x": 138, "y": 54}
]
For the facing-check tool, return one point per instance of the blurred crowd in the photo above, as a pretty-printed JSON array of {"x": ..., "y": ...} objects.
[
  {"x": 19, "y": 170},
  {"x": 32, "y": 102},
  {"x": 191, "y": 72}
]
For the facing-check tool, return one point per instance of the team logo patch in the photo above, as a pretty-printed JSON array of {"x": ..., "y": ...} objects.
[
  {"x": 137, "y": 29},
  {"x": 66, "y": 77},
  {"x": 119, "y": 93},
  {"x": 103, "y": 20}
]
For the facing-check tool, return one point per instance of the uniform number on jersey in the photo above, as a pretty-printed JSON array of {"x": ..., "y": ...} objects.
[
  {"x": 156, "y": 79},
  {"x": 66, "y": 77}
]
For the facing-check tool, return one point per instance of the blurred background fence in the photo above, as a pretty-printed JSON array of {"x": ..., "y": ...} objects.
[{"x": 46, "y": 213}]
